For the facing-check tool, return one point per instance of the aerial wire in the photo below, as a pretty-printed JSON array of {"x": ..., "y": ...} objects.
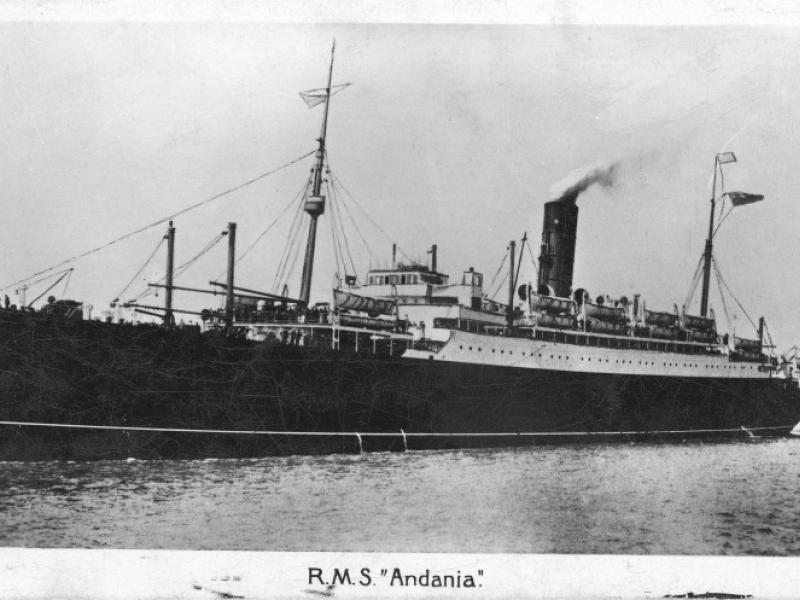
[{"x": 162, "y": 220}]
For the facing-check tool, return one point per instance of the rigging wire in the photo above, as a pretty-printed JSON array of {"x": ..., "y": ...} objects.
[
  {"x": 340, "y": 268},
  {"x": 50, "y": 287},
  {"x": 293, "y": 263},
  {"x": 142, "y": 268},
  {"x": 291, "y": 236},
  {"x": 162, "y": 220},
  {"x": 370, "y": 253},
  {"x": 344, "y": 244},
  {"x": 383, "y": 231},
  {"x": 727, "y": 287},
  {"x": 185, "y": 266},
  {"x": 182, "y": 268},
  {"x": 66, "y": 283},
  {"x": 695, "y": 281},
  {"x": 722, "y": 297},
  {"x": 533, "y": 261},
  {"x": 46, "y": 277},
  {"x": 722, "y": 219},
  {"x": 502, "y": 262},
  {"x": 263, "y": 233},
  {"x": 292, "y": 246},
  {"x": 519, "y": 263},
  {"x": 499, "y": 286},
  {"x": 346, "y": 241},
  {"x": 338, "y": 254},
  {"x": 293, "y": 250}
]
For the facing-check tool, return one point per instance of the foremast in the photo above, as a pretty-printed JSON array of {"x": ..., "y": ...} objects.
[{"x": 315, "y": 203}]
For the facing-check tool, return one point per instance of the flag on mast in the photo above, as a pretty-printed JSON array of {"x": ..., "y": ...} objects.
[
  {"x": 726, "y": 157},
  {"x": 740, "y": 198},
  {"x": 318, "y": 95}
]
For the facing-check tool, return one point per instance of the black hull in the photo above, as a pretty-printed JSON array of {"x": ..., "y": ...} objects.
[{"x": 317, "y": 400}]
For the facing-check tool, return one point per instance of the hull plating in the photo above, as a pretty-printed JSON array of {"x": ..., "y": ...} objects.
[{"x": 125, "y": 376}]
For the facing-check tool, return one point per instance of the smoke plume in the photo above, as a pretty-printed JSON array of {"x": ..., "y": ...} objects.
[{"x": 577, "y": 182}]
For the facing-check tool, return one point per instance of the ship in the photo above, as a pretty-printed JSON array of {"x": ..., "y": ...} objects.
[{"x": 402, "y": 360}]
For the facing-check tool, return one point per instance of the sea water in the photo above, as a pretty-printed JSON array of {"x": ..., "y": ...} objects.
[{"x": 689, "y": 498}]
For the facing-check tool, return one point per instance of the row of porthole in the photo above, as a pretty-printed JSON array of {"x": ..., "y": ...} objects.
[{"x": 461, "y": 347}]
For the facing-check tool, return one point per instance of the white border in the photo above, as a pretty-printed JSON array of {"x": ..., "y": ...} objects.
[
  {"x": 134, "y": 574},
  {"x": 122, "y": 574},
  {"x": 478, "y": 12}
]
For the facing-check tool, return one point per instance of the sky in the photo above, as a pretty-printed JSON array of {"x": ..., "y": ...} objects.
[{"x": 449, "y": 134}]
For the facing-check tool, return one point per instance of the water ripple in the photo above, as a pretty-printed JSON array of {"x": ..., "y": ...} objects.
[{"x": 731, "y": 498}]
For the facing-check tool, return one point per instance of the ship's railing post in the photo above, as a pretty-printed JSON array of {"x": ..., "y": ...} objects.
[{"x": 335, "y": 332}]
